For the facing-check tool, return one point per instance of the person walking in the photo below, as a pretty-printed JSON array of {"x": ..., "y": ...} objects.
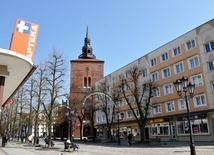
[
  {"x": 130, "y": 136},
  {"x": 4, "y": 138}
]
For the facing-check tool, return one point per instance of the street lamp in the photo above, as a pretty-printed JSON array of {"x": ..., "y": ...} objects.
[
  {"x": 71, "y": 113},
  {"x": 182, "y": 85},
  {"x": 118, "y": 124}
]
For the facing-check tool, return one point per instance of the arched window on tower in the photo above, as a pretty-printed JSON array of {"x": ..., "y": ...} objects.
[
  {"x": 85, "y": 82},
  {"x": 89, "y": 82}
]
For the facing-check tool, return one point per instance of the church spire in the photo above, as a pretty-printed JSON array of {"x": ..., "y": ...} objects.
[{"x": 87, "y": 49}]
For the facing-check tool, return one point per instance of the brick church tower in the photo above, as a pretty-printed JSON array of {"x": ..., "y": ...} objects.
[{"x": 85, "y": 71}]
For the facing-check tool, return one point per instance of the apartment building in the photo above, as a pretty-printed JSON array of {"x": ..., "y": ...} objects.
[{"x": 191, "y": 55}]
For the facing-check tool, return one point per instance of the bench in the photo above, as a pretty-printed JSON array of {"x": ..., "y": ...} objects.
[
  {"x": 153, "y": 140},
  {"x": 46, "y": 142},
  {"x": 68, "y": 146}
]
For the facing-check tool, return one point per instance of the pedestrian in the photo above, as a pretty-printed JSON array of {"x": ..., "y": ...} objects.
[
  {"x": 4, "y": 138},
  {"x": 130, "y": 136}
]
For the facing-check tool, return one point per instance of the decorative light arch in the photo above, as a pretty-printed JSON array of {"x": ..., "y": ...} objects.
[{"x": 97, "y": 93}]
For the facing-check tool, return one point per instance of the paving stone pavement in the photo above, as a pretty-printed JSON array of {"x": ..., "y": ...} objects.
[{"x": 90, "y": 148}]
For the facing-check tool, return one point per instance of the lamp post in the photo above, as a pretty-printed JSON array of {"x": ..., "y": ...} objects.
[
  {"x": 182, "y": 85},
  {"x": 118, "y": 124}
]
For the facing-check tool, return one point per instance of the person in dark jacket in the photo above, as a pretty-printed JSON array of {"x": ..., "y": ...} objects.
[
  {"x": 130, "y": 136},
  {"x": 4, "y": 138}
]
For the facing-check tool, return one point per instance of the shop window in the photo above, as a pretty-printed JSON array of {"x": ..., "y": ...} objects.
[
  {"x": 160, "y": 129},
  {"x": 199, "y": 126}
]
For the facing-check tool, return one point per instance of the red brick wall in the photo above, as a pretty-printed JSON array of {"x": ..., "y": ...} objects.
[{"x": 78, "y": 72}]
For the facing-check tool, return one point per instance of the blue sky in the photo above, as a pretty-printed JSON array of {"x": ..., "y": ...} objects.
[{"x": 121, "y": 31}]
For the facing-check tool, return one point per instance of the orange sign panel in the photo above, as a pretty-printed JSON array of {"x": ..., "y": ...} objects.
[{"x": 24, "y": 38}]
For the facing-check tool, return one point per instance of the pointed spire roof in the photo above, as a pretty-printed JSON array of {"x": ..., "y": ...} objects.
[{"x": 87, "y": 49}]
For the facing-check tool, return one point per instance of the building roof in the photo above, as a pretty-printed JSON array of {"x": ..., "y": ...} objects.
[{"x": 19, "y": 69}]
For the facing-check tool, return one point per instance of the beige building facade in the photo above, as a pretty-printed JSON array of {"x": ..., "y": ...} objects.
[{"x": 190, "y": 55}]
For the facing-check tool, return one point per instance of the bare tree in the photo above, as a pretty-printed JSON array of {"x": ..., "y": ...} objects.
[
  {"x": 78, "y": 109},
  {"x": 31, "y": 95},
  {"x": 54, "y": 87},
  {"x": 142, "y": 97},
  {"x": 40, "y": 97},
  {"x": 107, "y": 106}
]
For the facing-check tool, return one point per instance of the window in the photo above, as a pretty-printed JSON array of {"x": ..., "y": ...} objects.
[
  {"x": 120, "y": 89},
  {"x": 182, "y": 104},
  {"x": 138, "y": 98},
  {"x": 179, "y": 67},
  {"x": 144, "y": 73},
  {"x": 212, "y": 85},
  {"x": 153, "y": 62},
  {"x": 164, "y": 57},
  {"x": 199, "y": 126},
  {"x": 154, "y": 76},
  {"x": 113, "y": 80},
  {"x": 156, "y": 92},
  {"x": 104, "y": 118},
  {"x": 157, "y": 109},
  {"x": 145, "y": 87},
  {"x": 129, "y": 114},
  {"x": 170, "y": 106},
  {"x": 197, "y": 80},
  {"x": 108, "y": 110},
  {"x": 209, "y": 46},
  {"x": 85, "y": 82},
  {"x": 120, "y": 115},
  {"x": 199, "y": 100},
  {"x": 89, "y": 82},
  {"x": 160, "y": 129},
  {"x": 127, "y": 87},
  {"x": 190, "y": 44},
  {"x": 128, "y": 100},
  {"x": 211, "y": 65},
  {"x": 120, "y": 77},
  {"x": 137, "y": 112},
  {"x": 120, "y": 102},
  {"x": 165, "y": 72},
  {"x": 127, "y": 74},
  {"x": 108, "y": 88},
  {"x": 193, "y": 62},
  {"x": 176, "y": 51},
  {"x": 167, "y": 89},
  {"x": 98, "y": 119}
]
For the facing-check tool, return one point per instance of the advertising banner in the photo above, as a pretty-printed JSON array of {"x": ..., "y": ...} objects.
[{"x": 24, "y": 38}]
